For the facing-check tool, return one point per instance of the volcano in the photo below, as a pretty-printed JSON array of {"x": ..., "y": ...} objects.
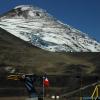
[{"x": 35, "y": 26}]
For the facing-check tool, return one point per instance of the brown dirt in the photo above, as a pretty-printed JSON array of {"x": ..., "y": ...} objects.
[{"x": 12, "y": 98}]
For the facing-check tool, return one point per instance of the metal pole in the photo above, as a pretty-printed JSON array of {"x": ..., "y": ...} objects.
[
  {"x": 43, "y": 87},
  {"x": 97, "y": 94},
  {"x": 80, "y": 87}
]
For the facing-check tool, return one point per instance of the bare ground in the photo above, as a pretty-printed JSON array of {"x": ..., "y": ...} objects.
[{"x": 12, "y": 98}]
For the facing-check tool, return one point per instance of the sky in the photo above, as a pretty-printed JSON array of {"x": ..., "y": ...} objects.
[{"x": 81, "y": 14}]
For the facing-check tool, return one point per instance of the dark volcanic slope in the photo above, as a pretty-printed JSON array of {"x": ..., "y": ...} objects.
[
  {"x": 27, "y": 58},
  {"x": 19, "y": 56}
]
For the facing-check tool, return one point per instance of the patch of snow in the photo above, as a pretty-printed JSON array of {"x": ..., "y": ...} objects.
[{"x": 46, "y": 32}]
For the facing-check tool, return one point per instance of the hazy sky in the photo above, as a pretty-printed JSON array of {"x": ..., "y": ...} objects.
[{"x": 81, "y": 14}]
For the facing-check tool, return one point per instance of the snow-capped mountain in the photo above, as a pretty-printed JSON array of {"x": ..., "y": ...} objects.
[{"x": 36, "y": 26}]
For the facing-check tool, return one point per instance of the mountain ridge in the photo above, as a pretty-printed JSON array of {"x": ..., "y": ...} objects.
[
  {"x": 41, "y": 29},
  {"x": 24, "y": 57}
]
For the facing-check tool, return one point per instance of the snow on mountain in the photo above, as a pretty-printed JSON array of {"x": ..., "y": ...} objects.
[{"x": 36, "y": 26}]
